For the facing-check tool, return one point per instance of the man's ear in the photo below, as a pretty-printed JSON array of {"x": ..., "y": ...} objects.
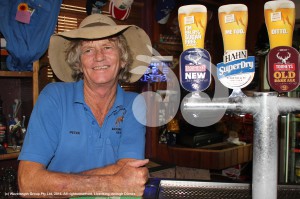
[
  {"x": 80, "y": 68},
  {"x": 123, "y": 64}
]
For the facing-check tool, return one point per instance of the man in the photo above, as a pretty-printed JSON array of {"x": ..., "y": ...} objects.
[{"x": 83, "y": 136}]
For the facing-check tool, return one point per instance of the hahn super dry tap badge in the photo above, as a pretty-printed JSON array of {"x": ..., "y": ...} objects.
[{"x": 237, "y": 69}]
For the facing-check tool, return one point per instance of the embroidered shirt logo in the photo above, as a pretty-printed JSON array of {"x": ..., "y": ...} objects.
[
  {"x": 119, "y": 120},
  {"x": 121, "y": 111},
  {"x": 74, "y": 132}
]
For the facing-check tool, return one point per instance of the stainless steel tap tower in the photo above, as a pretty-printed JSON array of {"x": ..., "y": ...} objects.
[{"x": 265, "y": 108}]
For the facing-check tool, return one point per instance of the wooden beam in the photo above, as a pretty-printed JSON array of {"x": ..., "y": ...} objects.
[{"x": 35, "y": 80}]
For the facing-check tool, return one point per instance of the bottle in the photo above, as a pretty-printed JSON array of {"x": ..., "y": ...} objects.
[
  {"x": 162, "y": 134},
  {"x": 172, "y": 130},
  {"x": 2, "y": 124},
  {"x": 162, "y": 128}
]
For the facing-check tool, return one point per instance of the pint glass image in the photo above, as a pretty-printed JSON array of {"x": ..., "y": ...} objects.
[
  {"x": 192, "y": 22},
  {"x": 233, "y": 20},
  {"x": 280, "y": 21}
]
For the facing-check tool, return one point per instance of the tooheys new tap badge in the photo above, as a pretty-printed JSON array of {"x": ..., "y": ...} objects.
[
  {"x": 195, "y": 69},
  {"x": 195, "y": 65},
  {"x": 283, "y": 68}
]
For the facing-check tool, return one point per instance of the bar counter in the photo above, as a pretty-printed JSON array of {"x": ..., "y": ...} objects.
[{"x": 173, "y": 189}]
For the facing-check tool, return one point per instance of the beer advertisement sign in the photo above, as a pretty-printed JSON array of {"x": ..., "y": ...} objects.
[
  {"x": 237, "y": 69},
  {"x": 195, "y": 61},
  {"x": 280, "y": 21},
  {"x": 192, "y": 21},
  {"x": 195, "y": 69},
  {"x": 233, "y": 21},
  {"x": 283, "y": 68}
]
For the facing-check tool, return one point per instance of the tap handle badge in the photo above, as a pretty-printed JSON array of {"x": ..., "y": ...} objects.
[
  {"x": 233, "y": 21},
  {"x": 280, "y": 21},
  {"x": 283, "y": 68},
  {"x": 237, "y": 69},
  {"x": 283, "y": 59},
  {"x": 195, "y": 61},
  {"x": 192, "y": 23}
]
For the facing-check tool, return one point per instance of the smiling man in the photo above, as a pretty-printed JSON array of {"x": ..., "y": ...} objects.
[{"x": 83, "y": 136}]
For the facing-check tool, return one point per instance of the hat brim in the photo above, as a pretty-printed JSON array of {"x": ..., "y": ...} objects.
[{"x": 138, "y": 42}]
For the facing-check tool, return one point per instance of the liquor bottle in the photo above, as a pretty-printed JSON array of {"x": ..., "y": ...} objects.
[
  {"x": 2, "y": 124},
  {"x": 172, "y": 130},
  {"x": 162, "y": 134},
  {"x": 162, "y": 128}
]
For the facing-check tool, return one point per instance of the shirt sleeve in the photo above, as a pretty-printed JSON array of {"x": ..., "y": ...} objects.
[{"x": 42, "y": 134}]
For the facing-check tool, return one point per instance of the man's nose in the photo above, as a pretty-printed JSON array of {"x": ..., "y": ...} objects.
[{"x": 99, "y": 55}]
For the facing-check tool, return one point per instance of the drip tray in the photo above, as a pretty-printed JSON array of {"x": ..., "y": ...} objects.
[{"x": 215, "y": 190}]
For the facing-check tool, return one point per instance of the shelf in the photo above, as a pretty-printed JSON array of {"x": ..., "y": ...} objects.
[
  {"x": 296, "y": 150},
  {"x": 16, "y": 74},
  {"x": 3, "y": 52},
  {"x": 217, "y": 156},
  {"x": 26, "y": 74},
  {"x": 170, "y": 47},
  {"x": 11, "y": 154}
]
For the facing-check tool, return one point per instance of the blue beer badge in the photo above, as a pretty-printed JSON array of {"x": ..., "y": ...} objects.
[
  {"x": 237, "y": 69},
  {"x": 195, "y": 69}
]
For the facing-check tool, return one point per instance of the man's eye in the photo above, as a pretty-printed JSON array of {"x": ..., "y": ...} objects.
[
  {"x": 88, "y": 51},
  {"x": 108, "y": 47}
]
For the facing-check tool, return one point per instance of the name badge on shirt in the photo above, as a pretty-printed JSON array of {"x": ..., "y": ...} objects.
[{"x": 24, "y": 13}]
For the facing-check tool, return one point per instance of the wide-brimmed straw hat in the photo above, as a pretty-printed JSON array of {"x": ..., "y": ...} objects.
[{"x": 97, "y": 26}]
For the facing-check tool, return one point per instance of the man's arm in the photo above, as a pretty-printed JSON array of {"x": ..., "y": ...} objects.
[
  {"x": 108, "y": 170},
  {"x": 34, "y": 178}
]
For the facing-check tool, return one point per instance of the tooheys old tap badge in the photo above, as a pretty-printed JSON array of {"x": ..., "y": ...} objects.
[
  {"x": 195, "y": 69},
  {"x": 283, "y": 68}
]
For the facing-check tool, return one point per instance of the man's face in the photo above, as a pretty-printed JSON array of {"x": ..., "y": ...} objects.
[{"x": 100, "y": 61}]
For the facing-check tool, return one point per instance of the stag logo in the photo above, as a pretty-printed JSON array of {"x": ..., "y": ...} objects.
[
  {"x": 283, "y": 60},
  {"x": 195, "y": 58},
  {"x": 119, "y": 120}
]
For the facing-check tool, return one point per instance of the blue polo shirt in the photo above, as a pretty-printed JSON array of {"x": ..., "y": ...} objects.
[{"x": 64, "y": 135}]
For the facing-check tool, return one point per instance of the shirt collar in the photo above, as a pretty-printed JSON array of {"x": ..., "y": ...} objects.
[{"x": 79, "y": 97}]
